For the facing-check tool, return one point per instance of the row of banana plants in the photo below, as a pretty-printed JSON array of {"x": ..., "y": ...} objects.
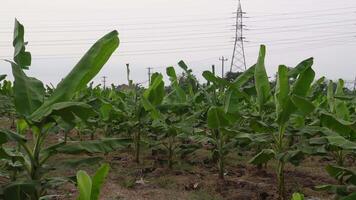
[{"x": 282, "y": 121}]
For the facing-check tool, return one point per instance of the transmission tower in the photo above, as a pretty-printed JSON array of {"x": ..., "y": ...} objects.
[
  {"x": 104, "y": 81},
  {"x": 238, "y": 60}
]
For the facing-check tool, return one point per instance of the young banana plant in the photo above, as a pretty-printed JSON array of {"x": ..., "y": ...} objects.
[
  {"x": 171, "y": 114},
  {"x": 89, "y": 187},
  {"x": 288, "y": 99},
  {"x": 223, "y": 115}
]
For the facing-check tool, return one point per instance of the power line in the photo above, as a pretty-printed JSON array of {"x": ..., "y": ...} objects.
[
  {"x": 290, "y": 30},
  {"x": 73, "y": 43},
  {"x": 330, "y": 25},
  {"x": 144, "y": 23},
  {"x": 136, "y": 37},
  {"x": 281, "y": 17},
  {"x": 314, "y": 38},
  {"x": 146, "y": 52},
  {"x": 122, "y": 29},
  {"x": 310, "y": 11}
]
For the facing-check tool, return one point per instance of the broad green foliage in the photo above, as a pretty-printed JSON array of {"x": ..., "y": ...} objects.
[
  {"x": 40, "y": 113},
  {"x": 217, "y": 118},
  {"x": 28, "y": 92},
  {"x": 88, "y": 66},
  {"x": 281, "y": 120}
]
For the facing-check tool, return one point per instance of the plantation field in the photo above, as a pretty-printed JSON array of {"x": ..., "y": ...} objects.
[
  {"x": 194, "y": 178},
  {"x": 245, "y": 136}
]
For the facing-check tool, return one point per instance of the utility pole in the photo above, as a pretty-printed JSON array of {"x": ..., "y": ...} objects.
[
  {"x": 223, "y": 59},
  {"x": 355, "y": 85},
  {"x": 238, "y": 60},
  {"x": 149, "y": 75},
  {"x": 104, "y": 82},
  {"x": 129, "y": 82}
]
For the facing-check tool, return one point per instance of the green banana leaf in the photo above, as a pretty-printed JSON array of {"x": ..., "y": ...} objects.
[
  {"x": 281, "y": 95},
  {"x": 84, "y": 185},
  {"x": 88, "y": 66},
  {"x": 262, "y": 85},
  {"x": 181, "y": 97},
  {"x": 21, "y": 57},
  {"x": 98, "y": 181},
  {"x": 28, "y": 91},
  {"x": 104, "y": 145},
  {"x": 264, "y": 156},
  {"x": 217, "y": 118}
]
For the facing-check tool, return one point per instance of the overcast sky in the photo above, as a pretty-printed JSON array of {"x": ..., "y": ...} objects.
[{"x": 159, "y": 33}]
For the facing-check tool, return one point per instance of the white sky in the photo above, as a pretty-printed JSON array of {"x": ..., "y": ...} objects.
[{"x": 158, "y": 33}]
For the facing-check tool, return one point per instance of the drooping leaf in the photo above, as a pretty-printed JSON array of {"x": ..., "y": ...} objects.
[
  {"x": 342, "y": 173},
  {"x": 344, "y": 128},
  {"x": 264, "y": 156},
  {"x": 301, "y": 67},
  {"x": 219, "y": 82},
  {"x": 64, "y": 110},
  {"x": 303, "y": 104},
  {"x": 244, "y": 77},
  {"x": 104, "y": 145},
  {"x": 88, "y": 66},
  {"x": 341, "y": 142},
  {"x": 8, "y": 135}
]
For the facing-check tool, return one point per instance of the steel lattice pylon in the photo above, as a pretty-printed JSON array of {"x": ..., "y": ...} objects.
[{"x": 238, "y": 60}]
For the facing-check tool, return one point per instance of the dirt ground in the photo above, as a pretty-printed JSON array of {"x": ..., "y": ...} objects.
[{"x": 198, "y": 179}]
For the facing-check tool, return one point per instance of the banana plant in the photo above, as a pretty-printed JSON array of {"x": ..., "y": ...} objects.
[
  {"x": 39, "y": 114},
  {"x": 89, "y": 187},
  {"x": 172, "y": 119},
  {"x": 346, "y": 189},
  {"x": 289, "y": 100},
  {"x": 223, "y": 116}
]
